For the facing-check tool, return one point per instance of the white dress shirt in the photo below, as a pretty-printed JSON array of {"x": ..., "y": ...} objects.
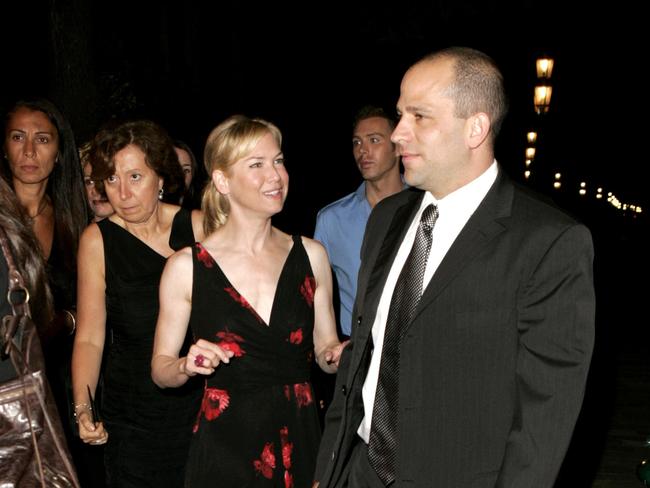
[{"x": 454, "y": 211}]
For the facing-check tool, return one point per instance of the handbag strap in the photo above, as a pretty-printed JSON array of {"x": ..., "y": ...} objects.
[{"x": 17, "y": 293}]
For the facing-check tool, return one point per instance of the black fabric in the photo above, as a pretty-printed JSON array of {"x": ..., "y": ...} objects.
[
  {"x": 258, "y": 425},
  {"x": 182, "y": 234},
  {"x": 136, "y": 412},
  {"x": 407, "y": 293}
]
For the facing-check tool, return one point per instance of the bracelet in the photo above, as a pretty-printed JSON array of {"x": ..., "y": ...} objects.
[
  {"x": 81, "y": 405},
  {"x": 74, "y": 323}
]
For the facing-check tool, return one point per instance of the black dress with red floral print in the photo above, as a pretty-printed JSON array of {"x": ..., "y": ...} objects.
[{"x": 258, "y": 424}]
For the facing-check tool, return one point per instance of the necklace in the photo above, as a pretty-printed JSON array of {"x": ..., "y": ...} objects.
[{"x": 41, "y": 208}]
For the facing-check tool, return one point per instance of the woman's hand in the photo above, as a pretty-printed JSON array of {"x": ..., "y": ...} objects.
[
  {"x": 203, "y": 357},
  {"x": 90, "y": 432},
  {"x": 330, "y": 357}
]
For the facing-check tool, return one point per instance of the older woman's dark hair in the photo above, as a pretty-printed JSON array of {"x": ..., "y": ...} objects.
[
  {"x": 29, "y": 261},
  {"x": 152, "y": 140},
  {"x": 65, "y": 185}
]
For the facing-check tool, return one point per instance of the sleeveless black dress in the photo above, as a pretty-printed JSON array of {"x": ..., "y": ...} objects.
[
  {"x": 258, "y": 424},
  {"x": 149, "y": 428}
]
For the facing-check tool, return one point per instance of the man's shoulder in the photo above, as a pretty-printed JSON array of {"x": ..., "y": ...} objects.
[
  {"x": 348, "y": 203},
  {"x": 537, "y": 208},
  {"x": 390, "y": 203}
]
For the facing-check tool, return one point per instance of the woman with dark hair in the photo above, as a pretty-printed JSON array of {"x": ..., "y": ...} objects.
[
  {"x": 121, "y": 259},
  {"x": 98, "y": 203},
  {"x": 41, "y": 164},
  {"x": 193, "y": 174}
]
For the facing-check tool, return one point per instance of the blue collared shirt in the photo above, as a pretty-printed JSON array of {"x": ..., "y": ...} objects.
[{"x": 340, "y": 227}]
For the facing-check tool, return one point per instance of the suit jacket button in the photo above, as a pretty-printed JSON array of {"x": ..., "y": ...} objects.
[{"x": 344, "y": 390}]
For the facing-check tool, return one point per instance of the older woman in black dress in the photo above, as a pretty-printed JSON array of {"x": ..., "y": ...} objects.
[{"x": 121, "y": 260}]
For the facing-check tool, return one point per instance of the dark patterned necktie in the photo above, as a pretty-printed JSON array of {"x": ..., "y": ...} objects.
[{"x": 407, "y": 293}]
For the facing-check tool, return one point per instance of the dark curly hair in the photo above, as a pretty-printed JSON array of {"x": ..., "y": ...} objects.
[{"x": 152, "y": 140}]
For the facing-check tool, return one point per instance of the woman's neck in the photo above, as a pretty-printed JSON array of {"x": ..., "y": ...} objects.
[
  {"x": 144, "y": 229},
  {"x": 32, "y": 197},
  {"x": 247, "y": 235}
]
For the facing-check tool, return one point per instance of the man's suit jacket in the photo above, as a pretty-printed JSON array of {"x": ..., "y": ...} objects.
[{"x": 494, "y": 362}]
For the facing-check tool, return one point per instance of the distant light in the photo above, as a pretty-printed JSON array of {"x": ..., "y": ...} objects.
[
  {"x": 599, "y": 196},
  {"x": 544, "y": 67},
  {"x": 557, "y": 185},
  {"x": 582, "y": 191},
  {"x": 526, "y": 174},
  {"x": 528, "y": 161},
  {"x": 558, "y": 176},
  {"x": 600, "y": 190},
  {"x": 583, "y": 184},
  {"x": 542, "y": 98},
  {"x": 531, "y": 137},
  {"x": 530, "y": 153}
]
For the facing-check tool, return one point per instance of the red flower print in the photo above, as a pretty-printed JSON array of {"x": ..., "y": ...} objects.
[
  {"x": 295, "y": 337},
  {"x": 307, "y": 290},
  {"x": 287, "y": 447},
  {"x": 214, "y": 402},
  {"x": 266, "y": 464},
  {"x": 288, "y": 480},
  {"x": 303, "y": 394},
  {"x": 230, "y": 342},
  {"x": 204, "y": 256},
  {"x": 242, "y": 301}
]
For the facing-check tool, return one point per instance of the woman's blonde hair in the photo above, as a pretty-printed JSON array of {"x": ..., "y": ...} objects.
[{"x": 230, "y": 141}]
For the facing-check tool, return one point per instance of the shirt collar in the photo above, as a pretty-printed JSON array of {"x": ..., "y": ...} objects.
[{"x": 469, "y": 196}]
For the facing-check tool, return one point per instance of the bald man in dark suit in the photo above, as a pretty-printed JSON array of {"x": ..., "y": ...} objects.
[{"x": 492, "y": 364}]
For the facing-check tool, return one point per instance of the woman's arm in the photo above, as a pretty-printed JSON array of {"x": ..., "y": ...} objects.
[
  {"x": 90, "y": 335},
  {"x": 197, "y": 225},
  {"x": 327, "y": 346},
  {"x": 167, "y": 369}
]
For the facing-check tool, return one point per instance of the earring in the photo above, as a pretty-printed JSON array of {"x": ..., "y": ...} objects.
[{"x": 160, "y": 194}]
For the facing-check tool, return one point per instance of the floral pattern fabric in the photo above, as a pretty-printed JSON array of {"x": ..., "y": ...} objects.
[{"x": 257, "y": 425}]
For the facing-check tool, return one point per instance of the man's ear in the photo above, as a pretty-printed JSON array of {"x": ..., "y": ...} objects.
[{"x": 478, "y": 128}]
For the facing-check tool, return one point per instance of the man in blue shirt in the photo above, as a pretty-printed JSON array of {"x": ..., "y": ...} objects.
[{"x": 341, "y": 224}]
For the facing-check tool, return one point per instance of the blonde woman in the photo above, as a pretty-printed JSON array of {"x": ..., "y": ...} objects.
[{"x": 259, "y": 303}]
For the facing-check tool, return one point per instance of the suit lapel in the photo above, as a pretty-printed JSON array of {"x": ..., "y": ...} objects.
[
  {"x": 392, "y": 239},
  {"x": 481, "y": 228}
]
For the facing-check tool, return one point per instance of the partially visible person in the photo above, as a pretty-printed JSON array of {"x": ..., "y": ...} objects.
[
  {"x": 18, "y": 458},
  {"x": 99, "y": 204},
  {"x": 475, "y": 308},
  {"x": 121, "y": 259},
  {"x": 259, "y": 303},
  {"x": 28, "y": 260},
  {"x": 340, "y": 225},
  {"x": 193, "y": 176},
  {"x": 41, "y": 165}
]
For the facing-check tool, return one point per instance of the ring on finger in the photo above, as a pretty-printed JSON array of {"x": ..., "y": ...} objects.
[{"x": 198, "y": 360}]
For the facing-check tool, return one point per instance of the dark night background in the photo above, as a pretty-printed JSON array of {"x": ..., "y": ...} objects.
[{"x": 309, "y": 67}]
